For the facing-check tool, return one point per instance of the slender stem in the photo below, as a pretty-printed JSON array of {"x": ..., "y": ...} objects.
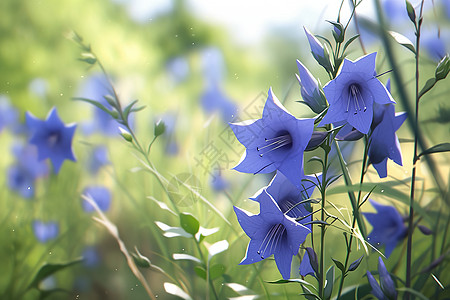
[
  {"x": 415, "y": 159},
  {"x": 322, "y": 218},
  {"x": 355, "y": 213},
  {"x": 208, "y": 278}
]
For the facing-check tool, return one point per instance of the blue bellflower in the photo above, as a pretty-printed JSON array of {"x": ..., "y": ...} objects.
[
  {"x": 274, "y": 142},
  {"x": 214, "y": 100},
  {"x": 383, "y": 141},
  {"x": 45, "y": 231},
  {"x": 100, "y": 195},
  {"x": 352, "y": 93},
  {"x": 388, "y": 228},
  {"x": 310, "y": 89},
  {"x": 23, "y": 174},
  {"x": 289, "y": 198},
  {"x": 52, "y": 138},
  {"x": 271, "y": 232},
  {"x": 387, "y": 289},
  {"x": 97, "y": 159}
]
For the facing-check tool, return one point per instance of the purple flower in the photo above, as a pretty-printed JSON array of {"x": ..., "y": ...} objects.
[
  {"x": 8, "y": 114},
  {"x": 387, "y": 289},
  {"x": 100, "y": 195},
  {"x": 95, "y": 88},
  {"x": 219, "y": 183},
  {"x": 45, "y": 231},
  {"x": 388, "y": 228},
  {"x": 352, "y": 93},
  {"x": 178, "y": 68},
  {"x": 289, "y": 198},
  {"x": 97, "y": 159},
  {"x": 23, "y": 174},
  {"x": 213, "y": 99},
  {"x": 310, "y": 89},
  {"x": 383, "y": 141},
  {"x": 90, "y": 256},
  {"x": 274, "y": 142},
  {"x": 52, "y": 138},
  {"x": 271, "y": 232},
  {"x": 317, "y": 50},
  {"x": 213, "y": 65}
]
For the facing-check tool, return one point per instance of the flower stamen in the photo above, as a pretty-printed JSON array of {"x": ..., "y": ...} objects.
[
  {"x": 355, "y": 93},
  {"x": 271, "y": 239},
  {"x": 275, "y": 143}
]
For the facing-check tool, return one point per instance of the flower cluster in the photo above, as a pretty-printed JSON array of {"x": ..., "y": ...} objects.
[{"x": 354, "y": 104}]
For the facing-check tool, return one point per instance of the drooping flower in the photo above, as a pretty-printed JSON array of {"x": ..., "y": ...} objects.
[
  {"x": 386, "y": 289},
  {"x": 274, "y": 142},
  {"x": 310, "y": 89},
  {"x": 388, "y": 228},
  {"x": 52, "y": 138},
  {"x": 383, "y": 142},
  {"x": 352, "y": 93},
  {"x": 271, "y": 232},
  {"x": 101, "y": 196},
  {"x": 45, "y": 231}
]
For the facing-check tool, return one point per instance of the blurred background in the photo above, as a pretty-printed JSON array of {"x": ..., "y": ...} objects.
[{"x": 196, "y": 65}]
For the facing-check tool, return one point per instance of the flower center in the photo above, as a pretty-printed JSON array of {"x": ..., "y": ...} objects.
[
  {"x": 290, "y": 207},
  {"x": 355, "y": 96},
  {"x": 53, "y": 139},
  {"x": 282, "y": 140},
  {"x": 271, "y": 240}
]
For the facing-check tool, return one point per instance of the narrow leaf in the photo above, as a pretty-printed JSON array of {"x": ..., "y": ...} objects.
[
  {"x": 339, "y": 265},
  {"x": 200, "y": 271},
  {"x": 216, "y": 271},
  {"x": 176, "y": 291},
  {"x": 350, "y": 40},
  {"x": 444, "y": 147},
  {"x": 329, "y": 283},
  {"x": 403, "y": 40},
  {"x": 49, "y": 269},
  {"x": 428, "y": 85},
  {"x": 411, "y": 12},
  {"x": 96, "y": 104},
  {"x": 217, "y": 248},
  {"x": 182, "y": 256}
]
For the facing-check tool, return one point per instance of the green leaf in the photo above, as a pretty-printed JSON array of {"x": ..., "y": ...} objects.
[
  {"x": 97, "y": 104},
  {"x": 216, "y": 271},
  {"x": 140, "y": 260},
  {"x": 127, "y": 109},
  {"x": 183, "y": 256},
  {"x": 403, "y": 40},
  {"x": 354, "y": 265},
  {"x": 444, "y": 147},
  {"x": 189, "y": 223},
  {"x": 176, "y": 291},
  {"x": 297, "y": 280},
  {"x": 328, "y": 290},
  {"x": 443, "y": 68},
  {"x": 217, "y": 248},
  {"x": 350, "y": 40},
  {"x": 339, "y": 265},
  {"x": 49, "y": 269},
  {"x": 428, "y": 85},
  {"x": 411, "y": 12},
  {"x": 88, "y": 58},
  {"x": 170, "y": 231},
  {"x": 200, "y": 271}
]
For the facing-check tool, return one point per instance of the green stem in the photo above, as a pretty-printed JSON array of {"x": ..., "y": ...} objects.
[
  {"x": 415, "y": 159},
  {"x": 349, "y": 246},
  {"x": 322, "y": 218},
  {"x": 208, "y": 278}
]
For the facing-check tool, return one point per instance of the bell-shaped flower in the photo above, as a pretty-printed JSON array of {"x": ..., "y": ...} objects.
[
  {"x": 383, "y": 142},
  {"x": 271, "y": 232},
  {"x": 386, "y": 289},
  {"x": 52, "y": 138},
  {"x": 274, "y": 142},
  {"x": 319, "y": 53},
  {"x": 388, "y": 228},
  {"x": 352, "y": 93},
  {"x": 305, "y": 266},
  {"x": 310, "y": 89},
  {"x": 291, "y": 199}
]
